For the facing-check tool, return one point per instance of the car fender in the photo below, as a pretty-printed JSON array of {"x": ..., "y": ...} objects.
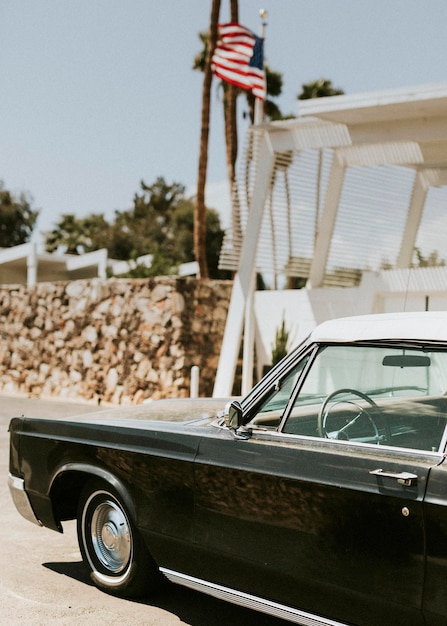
[{"x": 76, "y": 475}]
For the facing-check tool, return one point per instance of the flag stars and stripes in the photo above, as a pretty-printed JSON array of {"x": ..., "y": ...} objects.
[{"x": 239, "y": 59}]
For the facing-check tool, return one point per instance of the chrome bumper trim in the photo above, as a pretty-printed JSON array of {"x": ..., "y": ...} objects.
[
  {"x": 248, "y": 601},
  {"x": 20, "y": 498}
]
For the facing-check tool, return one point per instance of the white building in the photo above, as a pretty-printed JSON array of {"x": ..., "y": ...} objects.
[{"x": 356, "y": 183}]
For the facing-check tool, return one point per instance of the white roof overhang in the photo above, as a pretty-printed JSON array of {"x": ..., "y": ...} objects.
[
  {"x": 23, "y": 264},
  {"x": 406, "y": 114},
  {"x": 403, "y": 131}
]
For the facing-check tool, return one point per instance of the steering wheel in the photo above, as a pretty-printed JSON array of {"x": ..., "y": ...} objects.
[{"x": 342, "y": 433}]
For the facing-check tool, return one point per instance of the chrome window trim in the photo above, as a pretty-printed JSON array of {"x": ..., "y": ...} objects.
[
  {"x": 251, "y": 402},
  {"x": 264, "y": 434}
]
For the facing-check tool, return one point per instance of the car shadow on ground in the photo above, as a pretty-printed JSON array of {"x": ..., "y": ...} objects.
[{"x": 189, "y": 606}]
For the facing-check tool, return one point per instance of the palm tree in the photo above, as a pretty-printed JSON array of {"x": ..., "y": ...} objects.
[
  {"x": 230, "y": 112},
  {"x": 200, "y": 207},
  {"x": 229, "y": 99},
  {"x": 230, "y": 93},
  {"x": 319, "y": 89}
]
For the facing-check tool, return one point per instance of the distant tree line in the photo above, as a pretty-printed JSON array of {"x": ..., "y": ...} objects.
[
  {"x": 17, "y": 218},
  {"x": 160, "y": 223}
]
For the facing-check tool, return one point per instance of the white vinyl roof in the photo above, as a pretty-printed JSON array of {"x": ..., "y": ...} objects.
[{"x": 426, "y": 326}]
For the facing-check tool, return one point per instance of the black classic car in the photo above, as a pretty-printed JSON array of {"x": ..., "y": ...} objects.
[{"x": 319, "y": 498}]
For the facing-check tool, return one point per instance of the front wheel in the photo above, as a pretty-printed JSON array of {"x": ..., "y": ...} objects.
[{"x": 110, "y": 544}]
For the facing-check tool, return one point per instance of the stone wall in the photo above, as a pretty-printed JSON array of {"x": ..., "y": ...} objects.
[{"x": 119, "y": 341}]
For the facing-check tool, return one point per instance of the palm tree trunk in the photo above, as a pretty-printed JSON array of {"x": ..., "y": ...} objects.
[
  {"x": 230, "y": 109},
  {"x": 200, "y": 208},
  {"x": 231, "y": 138}
]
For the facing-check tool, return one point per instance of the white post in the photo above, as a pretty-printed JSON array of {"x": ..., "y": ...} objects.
[
  {"x": 249, "y": 320},
  {"x": 194, "y": 385},
  {"x": 32, "y": 266},
  {"x": 243, "y": 279},
  {"x": 249, "y": 339},
  {"x": 259, "y": 104}
]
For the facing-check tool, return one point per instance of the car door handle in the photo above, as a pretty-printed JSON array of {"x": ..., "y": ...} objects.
[{"x": 403, "y": 478}]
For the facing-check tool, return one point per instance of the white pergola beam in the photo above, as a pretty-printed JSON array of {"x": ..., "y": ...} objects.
[
  {"x": 309, "y": 133},
  {"x": 414, "y": 216},
  {"x": 243, "y": 279},
  {"x": 374, "y": 154},
  {"x": 327, "y": 222},
  {"x": 365, "y": 155},
  {"x": 435, "y": 177},
  {"x": 305, "y": 134},
  {"x": 425, "y": 178},
  {"x": 318, "y": 134}
]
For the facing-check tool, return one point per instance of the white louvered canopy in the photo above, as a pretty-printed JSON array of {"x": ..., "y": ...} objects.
[{"x": 357, "y": 182}]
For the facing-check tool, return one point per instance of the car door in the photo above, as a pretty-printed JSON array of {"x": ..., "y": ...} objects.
[
  {"x": 333, "y": 527},
  {"x": 314, "y": 525},
  {"x": 435, "y": 513}
]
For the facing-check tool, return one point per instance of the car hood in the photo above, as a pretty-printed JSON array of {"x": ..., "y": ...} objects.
[{"x": 168, "y": 410}]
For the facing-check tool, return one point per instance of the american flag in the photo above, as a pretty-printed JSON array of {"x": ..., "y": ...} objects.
[{"x": 239, "y": 58}]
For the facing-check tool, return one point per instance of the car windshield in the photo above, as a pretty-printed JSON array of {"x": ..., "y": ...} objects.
[
  {"x": 376, "y": 371},
  {"x": 369, "y": 394}
]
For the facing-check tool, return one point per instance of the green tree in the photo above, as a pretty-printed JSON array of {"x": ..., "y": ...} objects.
[
  {"x": 160, "y": 223},
  {"x": 432, "y": 260},
  {"x": 74, "y": 235},
  {"x": 230, "y": 93},
  {"x": 319, "y": 89},
  {"x": 17, "y": 219},
  {"x": 280, "y": 347}
]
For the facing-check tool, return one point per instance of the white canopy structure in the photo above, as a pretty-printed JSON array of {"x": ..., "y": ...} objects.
[
  {"x": 24, "y": 264},
  {"x": 354, "y": 184}
]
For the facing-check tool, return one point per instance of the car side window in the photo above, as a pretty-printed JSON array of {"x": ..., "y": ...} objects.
[
  {"x": 373, "y": 395},
  {"x": 272, "y": 407}
]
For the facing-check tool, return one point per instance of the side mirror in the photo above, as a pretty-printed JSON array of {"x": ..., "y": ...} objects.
[{"x": 233, "y": 415}]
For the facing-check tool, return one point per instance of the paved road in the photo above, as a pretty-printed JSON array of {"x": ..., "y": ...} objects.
[{"x": 43, "y": 581}]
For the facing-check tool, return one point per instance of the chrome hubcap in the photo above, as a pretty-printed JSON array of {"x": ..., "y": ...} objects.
[{"x": 111, "y": 536}]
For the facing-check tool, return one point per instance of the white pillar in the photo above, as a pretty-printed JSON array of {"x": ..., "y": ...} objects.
[
  {"x": 327, "y": 222},
  {"x": 31, "y": 265},
  {"x": 194, "y": 386},
  {"x": 247, "y": 267}
]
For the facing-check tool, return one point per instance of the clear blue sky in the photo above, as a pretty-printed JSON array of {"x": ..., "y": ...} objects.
[{"x": 97, "y": 95}]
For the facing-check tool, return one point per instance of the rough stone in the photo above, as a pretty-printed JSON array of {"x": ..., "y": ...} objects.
[{"x": 116, "y": 340}]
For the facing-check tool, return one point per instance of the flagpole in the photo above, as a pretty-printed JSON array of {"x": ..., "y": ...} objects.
[
  {"x": 249, "y": 314},
  {"x": 259, "y": 104}
]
